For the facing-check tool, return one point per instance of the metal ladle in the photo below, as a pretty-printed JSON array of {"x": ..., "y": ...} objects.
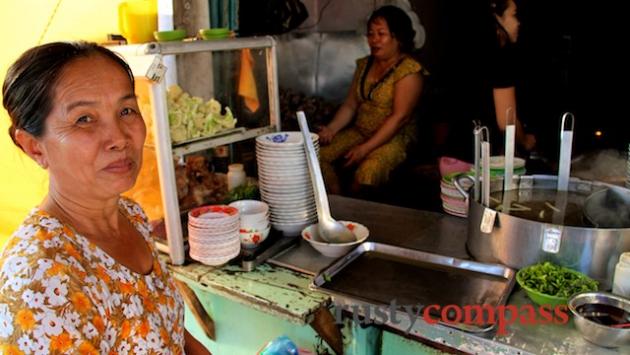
[{"x": 329, "y": 229}]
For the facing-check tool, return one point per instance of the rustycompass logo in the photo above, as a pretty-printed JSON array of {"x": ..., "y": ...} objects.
[{"x": 475, "y": 315}]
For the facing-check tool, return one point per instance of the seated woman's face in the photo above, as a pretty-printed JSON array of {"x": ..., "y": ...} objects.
[
  {"x": 93, "y": 138},
  {"x": 383, "y": 45}
]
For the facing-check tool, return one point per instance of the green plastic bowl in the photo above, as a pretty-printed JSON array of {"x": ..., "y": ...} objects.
[
  {"x": 542, "y": 298},
  {"x": 167, "y": 36},
  {"x": 214, "y": 33}
]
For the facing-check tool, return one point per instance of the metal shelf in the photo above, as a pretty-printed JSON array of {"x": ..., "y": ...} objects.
[
  {"x": 146, "y": 60},
  {"x": 215, "y": 141}
]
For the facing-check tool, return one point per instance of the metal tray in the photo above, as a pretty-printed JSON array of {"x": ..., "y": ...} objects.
[{"x": 377, "y": 274}]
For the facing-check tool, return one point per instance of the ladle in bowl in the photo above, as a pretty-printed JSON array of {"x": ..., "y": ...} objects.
[{"x": 329, "y": 229}]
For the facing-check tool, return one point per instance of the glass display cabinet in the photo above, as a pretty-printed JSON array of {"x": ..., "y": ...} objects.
[{"x": 196, "y": 96}]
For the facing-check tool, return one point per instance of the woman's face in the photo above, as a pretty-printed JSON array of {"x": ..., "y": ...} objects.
[
  {"x": 383, "y": 45},
  {"x": 509, "y": 21},
  {"x": 92, "y": 143}
]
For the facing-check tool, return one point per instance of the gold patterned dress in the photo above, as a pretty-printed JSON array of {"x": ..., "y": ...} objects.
[
  {"x": 376, "y": 100},
  {"x": 62, "y": 294}
]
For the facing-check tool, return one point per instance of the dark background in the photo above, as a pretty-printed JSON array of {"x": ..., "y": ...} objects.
[{"x": 570, "y": 61}]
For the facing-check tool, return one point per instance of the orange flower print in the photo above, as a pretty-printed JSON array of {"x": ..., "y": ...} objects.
[
  {"x": 149, "y": 306},
  {"x": 55, "y": 269},
  {"x": 72, "y": 251},
  {"x": 81, "y": 302},
  {"x": 143, "y": 328},
  {"x": 162, "y": 299},
  {"x": 11, "y": 350},
  {"x": 125, "y": 330},
  {"x": 25, "y": 319},
  {"x": 43, "y": 235},
  {"x": 67, "y": 231},
  {"x": 142, "y": 289},
  {"x": 86, "y": 348},
  {"x": 61, "y": 342},
  {"x": 98, "y": 323},
  {"x": 78, "y": 273},
  {"x": 125, "y": 288},
  {"x": 157, "y": 269},
  {"x": 164, "y": 335},
  {"x": 102, "y": 274}
]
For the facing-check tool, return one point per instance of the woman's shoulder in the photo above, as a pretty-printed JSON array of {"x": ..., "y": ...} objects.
[
  {"x": 362, "y": 62},
  {"x": 37, "y": 242},
  {"x": 408, "y": 65}
]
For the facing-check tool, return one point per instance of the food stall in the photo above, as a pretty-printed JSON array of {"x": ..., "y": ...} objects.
[{"x": 412, "y": 259}]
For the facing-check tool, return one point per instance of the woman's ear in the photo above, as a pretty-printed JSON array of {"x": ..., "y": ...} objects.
[{"x": 31, "y": 146}]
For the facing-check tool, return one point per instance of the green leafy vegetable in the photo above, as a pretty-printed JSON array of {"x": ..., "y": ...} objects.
[
  {"x": 243, "y": 192},
  {"x": 555, "y": 280}
]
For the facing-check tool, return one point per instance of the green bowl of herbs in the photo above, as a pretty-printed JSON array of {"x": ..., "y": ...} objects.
[{"x": 550, "y": 284}]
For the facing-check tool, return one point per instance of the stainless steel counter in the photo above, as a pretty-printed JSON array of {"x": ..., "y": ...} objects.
[
  {"x": 445, "y": 235},
  {"x": 404, "y": 227}
]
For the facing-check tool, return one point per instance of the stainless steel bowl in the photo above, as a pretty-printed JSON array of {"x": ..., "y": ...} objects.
[{"x": 594, "y": 332}]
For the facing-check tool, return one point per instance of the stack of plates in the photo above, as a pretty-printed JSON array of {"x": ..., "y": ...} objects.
[
  {"x": 497, "y": 166},
  {"x": 284, "y": 181},
  {"x": 452, "y": 201},
  {"x": 213, "y": 234}
]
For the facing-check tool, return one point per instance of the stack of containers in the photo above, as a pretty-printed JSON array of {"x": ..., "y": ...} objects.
[
  {"x": 213, "y": 234},
  {"x": 284, "y": 181},
  {"x": 452, "y": 201},
  {"x": 254, "y": 222}
]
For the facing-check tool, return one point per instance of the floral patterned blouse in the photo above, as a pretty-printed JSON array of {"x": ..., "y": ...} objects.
[{"x": 60, "y": 293}]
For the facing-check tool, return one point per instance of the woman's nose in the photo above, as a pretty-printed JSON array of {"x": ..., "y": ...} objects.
[{"x": 117, "y": 136}]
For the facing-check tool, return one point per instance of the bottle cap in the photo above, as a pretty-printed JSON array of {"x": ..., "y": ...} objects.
[{"x": 235, "y": 167}]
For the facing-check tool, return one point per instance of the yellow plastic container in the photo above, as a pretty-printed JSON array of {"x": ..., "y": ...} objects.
[{"x": 137, "y": 20}]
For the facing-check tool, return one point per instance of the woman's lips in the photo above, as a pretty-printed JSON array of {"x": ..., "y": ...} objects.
[{"x": 120, "y": 166}]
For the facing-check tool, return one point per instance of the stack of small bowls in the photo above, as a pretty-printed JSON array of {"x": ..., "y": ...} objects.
[
  {"x": 254, "y": 216},
  {"x": 213, "y": 234},
  {"x": 284, "y": 180}
]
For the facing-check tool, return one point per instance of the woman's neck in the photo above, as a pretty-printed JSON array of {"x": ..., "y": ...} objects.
[
  {"x": 388, "y": 62},
  {"x": 89, "y": 217}
]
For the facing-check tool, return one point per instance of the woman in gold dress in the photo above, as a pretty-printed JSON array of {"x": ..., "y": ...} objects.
[{"x": 374, "y": 126}]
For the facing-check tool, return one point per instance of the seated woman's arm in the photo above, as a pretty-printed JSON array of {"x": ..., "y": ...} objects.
[
  {"x": 504, "y": 98},
  {"x": 406, "y": 94},
  {"x": 342, "y": 118}
]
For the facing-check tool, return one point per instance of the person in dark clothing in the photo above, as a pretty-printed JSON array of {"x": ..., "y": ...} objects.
[{"x": 503, "y": 71}]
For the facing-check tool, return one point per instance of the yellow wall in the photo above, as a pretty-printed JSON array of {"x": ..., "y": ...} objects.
[{"x": 22, "y": 183}]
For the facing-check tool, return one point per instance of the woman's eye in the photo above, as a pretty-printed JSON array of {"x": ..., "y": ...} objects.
[
  {"x": 127, "y": 111},
  {"x": 84, "y": 119}
]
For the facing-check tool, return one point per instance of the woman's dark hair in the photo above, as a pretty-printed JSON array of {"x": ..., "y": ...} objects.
[
  {"x": 399, "y": 25},
  {"x": 28, "y": 88},
  {"x": 498, "y": 7}
]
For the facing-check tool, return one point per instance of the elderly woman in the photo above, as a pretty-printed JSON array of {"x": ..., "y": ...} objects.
[
  {"x": 374, "y": 127},
  {"x": 81, "y": 275}
]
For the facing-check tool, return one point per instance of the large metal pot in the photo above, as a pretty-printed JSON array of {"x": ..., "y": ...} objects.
[{"x": 518, "y": 242}]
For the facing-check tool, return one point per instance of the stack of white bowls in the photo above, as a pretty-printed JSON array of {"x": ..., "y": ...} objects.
[
  {"x": 255, "y": 226},
  {"x": 285, "y": 182},
  {"x": 213, "y": 234}
]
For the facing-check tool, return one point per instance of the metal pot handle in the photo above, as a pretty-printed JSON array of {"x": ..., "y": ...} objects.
[{"x": 459, "y": 187}]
